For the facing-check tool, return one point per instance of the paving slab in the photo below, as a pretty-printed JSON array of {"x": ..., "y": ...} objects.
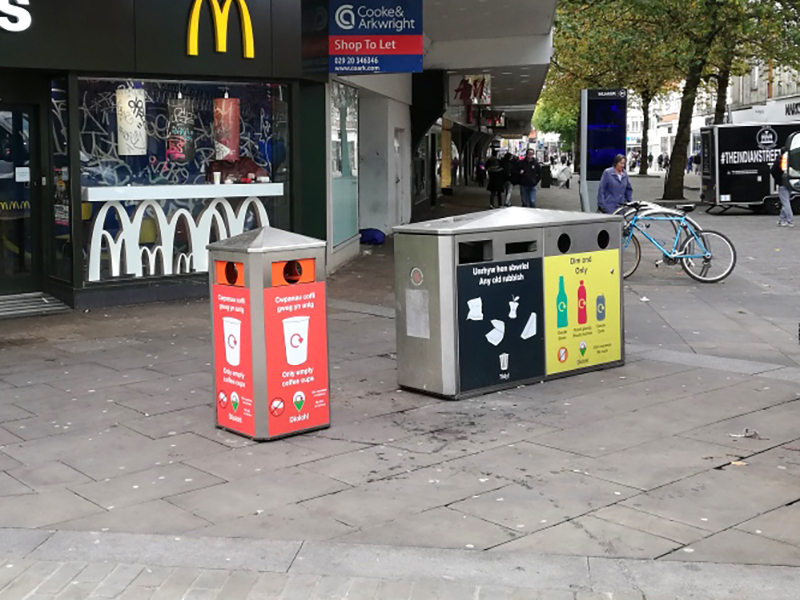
[
  {"x": 642, "y": 521},
  {"x": 9, "y": 486},
  {"x": 735, "y": 546},
  {"x": 96, "y": 442},
  {"x": 495, "y": 430},
  {"x": 370, "y": 464},
  {"x": 588, "y": 536},
  {"x": 239, "y": 463},
  {"x": 92, "y": 385},
  {"x": 436, "y": 528},
  {"x": 395, "y": 497},
  {"x": 157, "y": 516},
  {"x": 48, "y": 476},
  {"x": 518, "y": 461},
  {"x": 149, "y": 454},
  {"x": 774, "y": 426},
  {"x": 11, "y": 412},
  {"x": 21, "y": 542},
  {"x": 65, "y": 574},
  {"x": 207, "y": 553},
  {"x": 781, "y": 524},
  {"x": 657, "y": 463},
  {"x": 716, "y": 500},
  {"x": 412, "y": 564},
  {"x": 288, "y": 522},
  {"x": 44, "y": 509},
  {"x": 71, "y": 419},
  {"x": 247, "y": 496},
  {"x": 144, "y": 486},
  {"x": 543, "y": 501}
]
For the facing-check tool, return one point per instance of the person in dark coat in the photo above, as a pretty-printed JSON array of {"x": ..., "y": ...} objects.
[
  {"x": 497, "y": 178},
  {"x": 508, "y": 163},
  {"x": 784, "y": 193},
  {"x": 615, "y": 187},
  {"x": 530, "y": 173}
]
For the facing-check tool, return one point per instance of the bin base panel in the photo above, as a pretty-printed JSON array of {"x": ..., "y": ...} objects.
[
  {"x": 260, "y": 439},
  {"x": 604, "y": 367},
  {"x": 501, "y": 388}
]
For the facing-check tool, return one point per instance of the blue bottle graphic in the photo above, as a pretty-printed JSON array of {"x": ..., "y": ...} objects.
[{"x": 561, "y": 305}]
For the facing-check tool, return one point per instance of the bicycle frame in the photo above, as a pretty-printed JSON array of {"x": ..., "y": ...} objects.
[{"x": 682, "y": 224}]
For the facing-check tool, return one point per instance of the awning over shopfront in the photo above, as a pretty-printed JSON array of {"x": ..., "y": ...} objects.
[{"x": 510, "y": 40}]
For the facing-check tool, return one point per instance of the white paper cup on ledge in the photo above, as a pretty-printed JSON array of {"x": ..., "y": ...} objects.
[{"x": 217, "y": 178}]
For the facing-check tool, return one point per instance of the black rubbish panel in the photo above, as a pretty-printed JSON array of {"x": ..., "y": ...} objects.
[{"x": 500, "y": 323}]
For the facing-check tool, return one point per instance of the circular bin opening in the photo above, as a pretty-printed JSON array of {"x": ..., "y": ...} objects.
[
  {"x": 564, "y": 243},
  {"x": 293, "y": 272},
  {"x": 603, "y": 239},
  {"x": 231, "y": 273}
]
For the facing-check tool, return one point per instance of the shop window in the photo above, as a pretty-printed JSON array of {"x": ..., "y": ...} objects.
[
  {"x": 61, "y": 244},
  {"x": 177, "y": 133},
  {"x": 344, "y": 157}
]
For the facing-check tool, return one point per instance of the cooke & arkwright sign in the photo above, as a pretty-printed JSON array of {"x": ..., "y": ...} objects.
[{"x": 375, "y": 36}]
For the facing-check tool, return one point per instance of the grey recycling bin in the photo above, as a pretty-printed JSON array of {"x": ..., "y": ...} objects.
[
  {"x": 269, "y": 325},
  {"x": 503, "y": 298}
]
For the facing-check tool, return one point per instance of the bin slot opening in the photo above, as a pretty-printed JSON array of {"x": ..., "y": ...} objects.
[
  {"x": 513, "y": 248},
  {"x": 230, "y": 273},
  {"x": 293, "y": 272},
  {"x": 474, "y": 252}
]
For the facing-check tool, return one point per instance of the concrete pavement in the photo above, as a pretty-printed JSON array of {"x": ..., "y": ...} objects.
[{"x": 106, "y": 427}]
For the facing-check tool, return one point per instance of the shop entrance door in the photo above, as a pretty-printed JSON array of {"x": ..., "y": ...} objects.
[{"x": 20, "y": 258}]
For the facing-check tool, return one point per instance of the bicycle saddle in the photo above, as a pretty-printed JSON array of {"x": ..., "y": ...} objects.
[{"x": 687, "y": 208}]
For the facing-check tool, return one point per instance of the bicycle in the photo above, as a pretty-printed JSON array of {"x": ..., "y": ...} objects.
[{"x": 692, "y": 247}]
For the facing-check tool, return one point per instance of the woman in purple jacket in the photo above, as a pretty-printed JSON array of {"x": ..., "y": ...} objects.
[{"x": 615, "y": 187}]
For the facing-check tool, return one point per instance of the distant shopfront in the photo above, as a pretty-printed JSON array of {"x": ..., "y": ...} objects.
[{"x": 135, "y": 132}]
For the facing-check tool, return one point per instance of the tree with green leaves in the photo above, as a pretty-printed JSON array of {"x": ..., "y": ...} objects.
[
  {"x": 709, "y": 30},
  {"x": 647, "y": 46},
  {"x": 604, "y": 44}
]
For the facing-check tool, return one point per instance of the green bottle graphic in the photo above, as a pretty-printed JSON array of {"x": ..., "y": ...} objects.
[{"x": 561, "y": 304}]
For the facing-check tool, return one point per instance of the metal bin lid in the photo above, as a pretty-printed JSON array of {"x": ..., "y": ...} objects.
[
  {"x": 514, "y": 217},
  {"x": 266, "y": 239}
]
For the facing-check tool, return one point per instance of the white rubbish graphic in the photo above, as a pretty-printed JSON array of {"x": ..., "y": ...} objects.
[
  {"x": 504, "y": 362},
  {"x": 295, "y": 335},
  {"x": 233, "y": 340},
  {"x": 513, "y": 306},
  {"x": 530, "y": 328},
  {"x": 475, "y": 309},
  {"x": 496, "y": 335}
]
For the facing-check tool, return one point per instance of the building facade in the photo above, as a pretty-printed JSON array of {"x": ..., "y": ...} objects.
[
  {"x": 135, "y": 132},
  {"x": 765, "y": 94}
]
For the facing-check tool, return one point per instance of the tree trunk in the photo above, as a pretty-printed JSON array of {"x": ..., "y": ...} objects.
[
  {"x": 643, "y": 165},
  {"x": 723, "y": 81},
  {"x": 673, "y": 189}
]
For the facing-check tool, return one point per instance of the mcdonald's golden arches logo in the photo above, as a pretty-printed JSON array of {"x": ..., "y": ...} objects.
[{"x": 221, "y": 16}]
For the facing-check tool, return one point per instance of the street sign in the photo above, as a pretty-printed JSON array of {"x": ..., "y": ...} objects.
[{"x": 375, "y": 36}]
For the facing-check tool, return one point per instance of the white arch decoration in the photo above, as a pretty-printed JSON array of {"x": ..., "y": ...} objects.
[{"x": 219, "y": 213}]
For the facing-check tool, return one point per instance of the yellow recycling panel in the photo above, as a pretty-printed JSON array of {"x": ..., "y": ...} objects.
[{"x": 583, "y": 311}]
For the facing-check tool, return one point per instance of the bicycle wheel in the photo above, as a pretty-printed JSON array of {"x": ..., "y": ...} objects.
[
  {"x": 631, "y": 256},
  {"x": 715, "y": 267}
]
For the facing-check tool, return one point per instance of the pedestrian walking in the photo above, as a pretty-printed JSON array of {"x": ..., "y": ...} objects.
[
  {"x": 496, "y": 180},
  {"x": 565, "y": 173},
  {"x": 508, "y": 162},
  {"x": 530, "y": 173},
  {"x": 660, "y": 161},
  {"x": 650, "y": 160},
  {"x": 785, "y": 195},
  {"x": 480, "y": 173},
  {"x": 615, "y": 187}
]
